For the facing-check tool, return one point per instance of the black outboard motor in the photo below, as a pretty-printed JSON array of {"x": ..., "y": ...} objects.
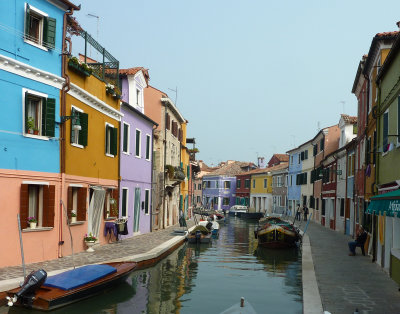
[{"x": 26, "y": 294}]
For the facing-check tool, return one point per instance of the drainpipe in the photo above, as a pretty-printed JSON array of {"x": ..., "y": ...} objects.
[
  {"x": 65, "y": 88},
  {"x": 163, "y": 170}
]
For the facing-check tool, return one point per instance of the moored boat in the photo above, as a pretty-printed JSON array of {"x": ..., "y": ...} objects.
[
  {"x": 237, "y": 210},
  {"x": 199, "y": 234},
  {"x": 48, "y": 293},
  {"x": 274, "y": 232}
]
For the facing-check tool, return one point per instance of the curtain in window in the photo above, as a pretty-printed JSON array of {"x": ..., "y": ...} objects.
[
  {"x": 95, "y": 210},
  {"x": 136, "y": 210}
]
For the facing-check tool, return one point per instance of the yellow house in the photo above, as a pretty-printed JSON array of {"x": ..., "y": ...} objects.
[
  {"x": 89, "y": 128},
  {"x": 261, "y": 190},
  {"x": 185, "y": 164}
]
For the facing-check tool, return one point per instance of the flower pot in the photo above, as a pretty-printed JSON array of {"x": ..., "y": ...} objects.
[
  {"x": 89, "y": 244},
  {"x": 78, "y": 69},
  {"x": 36, "y": 132},
  {"x": 32, "y": 225},
  {"x": 73, "y": 219}
]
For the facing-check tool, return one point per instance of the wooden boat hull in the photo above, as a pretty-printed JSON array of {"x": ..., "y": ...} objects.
[
  {"x": 203, "y": 239},
  {"x": 49, "y": 298},
  {"x": 276, "y": 236},
  {"x": 252, "y": 215}
]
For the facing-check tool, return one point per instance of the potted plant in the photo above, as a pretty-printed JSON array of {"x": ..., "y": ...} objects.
[
  {"x": 170, "y": 170},
  {"x": 73, "y": 216},
  {"x": 79, "y": 66},
  {"x": 30, "y": 125},
  {"x": 113, "y": 90},
  {"x": 90, "y": 240},
  {"x": 32, "y": 222}
]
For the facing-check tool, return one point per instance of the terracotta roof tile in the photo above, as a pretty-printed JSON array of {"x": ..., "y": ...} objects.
[
  {"x": 387, "y": 34},
  {"x": 231, "y": 169},
  {"x": 133, "y": 71},
  {"x": 349, "y": 119},
  {"x": 282, "y": 157}
]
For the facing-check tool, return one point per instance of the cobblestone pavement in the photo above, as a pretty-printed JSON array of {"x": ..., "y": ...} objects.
[
  {"x": 127, "y": 247},
  {"x": 347, "y": 283}
]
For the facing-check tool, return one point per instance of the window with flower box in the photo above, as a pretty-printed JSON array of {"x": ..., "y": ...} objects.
[
  {"x": 39, "y": 112},
  {"x": 76, "y": 202},
  {"x": 37, "y": 199}
]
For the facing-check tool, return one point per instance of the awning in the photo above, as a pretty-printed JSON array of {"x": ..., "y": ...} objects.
[{"x": 388, "y": 203}]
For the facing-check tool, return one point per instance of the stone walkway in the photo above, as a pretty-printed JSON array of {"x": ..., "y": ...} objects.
[
  {"x": 347, "y": 283},
  {"x": 137, "y": 245}
]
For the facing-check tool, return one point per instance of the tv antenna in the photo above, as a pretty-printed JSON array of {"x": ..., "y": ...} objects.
[{"x": 176, "y": 94}]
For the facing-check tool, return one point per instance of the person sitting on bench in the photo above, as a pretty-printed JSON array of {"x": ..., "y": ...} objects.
[{"x": 360, "y": 241}]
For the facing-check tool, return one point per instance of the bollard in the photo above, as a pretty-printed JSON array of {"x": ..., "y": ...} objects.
[{"x": 241, "y": 302}]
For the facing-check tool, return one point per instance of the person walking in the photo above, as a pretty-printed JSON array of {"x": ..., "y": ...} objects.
[
  {"x": 298, "y": 213},
  {"x": 305, "y": 212}
]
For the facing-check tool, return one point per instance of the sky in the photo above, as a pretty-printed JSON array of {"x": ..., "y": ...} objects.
[{"x": 253, "y": 78}]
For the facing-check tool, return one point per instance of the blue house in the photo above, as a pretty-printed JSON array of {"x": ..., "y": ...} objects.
[
  {"x": 294, "y": 184},
  {"x": 31, "y": 40}
]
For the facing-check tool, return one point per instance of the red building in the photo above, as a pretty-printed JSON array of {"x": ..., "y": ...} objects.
[
  {"x": 328, "y": 193},
  {"x": 243, "y": 189}
]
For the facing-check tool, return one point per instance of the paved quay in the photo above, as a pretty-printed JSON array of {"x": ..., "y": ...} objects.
[
  {"x": 347, "y": 283},
  {"x": 138, "y": 248}
]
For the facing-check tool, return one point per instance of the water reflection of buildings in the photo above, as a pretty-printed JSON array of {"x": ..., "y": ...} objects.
[
  {"x": 158, "y": 289},
  {"x": 284, "y": 263}
]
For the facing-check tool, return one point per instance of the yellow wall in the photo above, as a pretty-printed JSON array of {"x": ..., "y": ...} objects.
[
  {"x": 259, "y": 187},
  {"x": 185, "y": 162},
  {"x": 91, "y": 161}
]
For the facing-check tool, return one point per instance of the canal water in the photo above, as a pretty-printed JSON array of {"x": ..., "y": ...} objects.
[{"x": 208, "y": 278}]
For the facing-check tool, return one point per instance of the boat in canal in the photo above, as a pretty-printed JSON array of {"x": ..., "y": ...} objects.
[
  {"x": 211, "y": 224},
  {"x": 48, "y": 293},
  {"x": 238, "y": 210},
  {"x": 274, "y": 232},
  {"x": 240, "y": 308},
  {"x": 199, "y": 234}
]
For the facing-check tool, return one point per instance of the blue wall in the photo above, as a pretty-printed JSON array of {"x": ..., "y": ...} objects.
[
  {"x": 17, "y": 151},
  {"x": 294, "y": 191},
  {"x": 12, "y": 45}
]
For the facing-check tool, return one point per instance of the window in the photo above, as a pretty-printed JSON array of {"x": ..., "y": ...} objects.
[
  {"x": 265, "y": 183},
  {"x": 216, "y": 200},
  {"x": 198, "y": 199},
  {"x": 217, "y": 184},
  {"x": 199, "y": 186},
  {"x": 146, "y": 201},
  {"x": 76, "y": 202},
  {"x": 40, "y": 29},
  {"x": 315, "y": 150},
  {"x": 125, "y": 144},
  {"x": 39, "y": 113},
  {"x": 341, "y": 207},
  {"x": 111, "y": 140},
  {"x": 247, "y": 183},
  {"x": 323, "y": 207},
  {"x": 238, "y": 183},
  {"x": 167, "y": 121},
  {"x": 124, "y": 202},
  {"x": 137, "y": 143},
  {"x": 37, "y": 200},
  {"x": 79, "y": 127},
  {"x": 385, "y": 130},
  {"x": 227, "y": 184},
  {"x": 225, "y": 201},
  {"x": 298, "y": 159},
  {"x": 306, "y": 154},
  {"x": 137, "y": 97},
  {"x": 254, "y": 183},
  {"x": 321, "y": 144},
  {"x": 291, "y": 160},
  {"x": 148, "y": 143}
]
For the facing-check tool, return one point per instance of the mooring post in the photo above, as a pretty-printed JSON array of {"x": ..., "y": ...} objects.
[{"x": 241, "y": 302}]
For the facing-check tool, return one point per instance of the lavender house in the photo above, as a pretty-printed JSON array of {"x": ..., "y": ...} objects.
[
  {"x": 219, "y": 186},
  {"x": 136, "y": 154}
]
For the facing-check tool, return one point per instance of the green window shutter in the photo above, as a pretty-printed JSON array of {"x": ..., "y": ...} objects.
[
  {"x": 114, "y": 141},
  {"x": 125, "y": 143},
  {"x": 83, "y": 133},
  {"x": 72, "y": 131},
  {"x": 48, "y": 117},
  {"x": 49, "y": 32},
  {"x": 188, "y": 172},
  {"x": 27, "y": 21}
]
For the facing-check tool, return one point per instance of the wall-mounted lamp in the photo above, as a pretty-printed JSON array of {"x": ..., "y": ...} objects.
[{"x": 76, "y": 123}]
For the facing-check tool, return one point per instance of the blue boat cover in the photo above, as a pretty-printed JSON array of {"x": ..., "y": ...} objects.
[{"x": 78, "y": 277}]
